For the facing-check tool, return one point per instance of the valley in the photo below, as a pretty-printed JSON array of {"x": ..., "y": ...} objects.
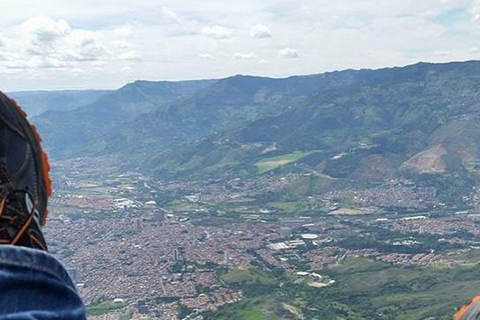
[
  {"x": 214, "y": 249},
  {"x": 346, "y": 195}
]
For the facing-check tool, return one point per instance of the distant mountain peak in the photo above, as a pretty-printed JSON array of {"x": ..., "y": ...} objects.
[{"x": 420, "y": 121}]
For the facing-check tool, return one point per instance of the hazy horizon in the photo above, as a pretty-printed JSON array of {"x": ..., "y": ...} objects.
[{"x": 233, "y": 75}]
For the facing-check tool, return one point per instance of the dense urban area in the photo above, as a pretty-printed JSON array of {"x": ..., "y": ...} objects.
[{"x": 146, "y": 249}]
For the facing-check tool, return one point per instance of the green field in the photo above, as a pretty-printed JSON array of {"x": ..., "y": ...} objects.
[
  {"x": 287, "y": 207},
  {"x": 248, "y": 275},
  {"x": 104, "y": 308},
  {"x": 249, "y": 309},
  {"x": 254, "y": 314},
  {"x": 275, "y": 162},
  {"x": 364, "y": 289},
  {"x": 408, "y": 293}
]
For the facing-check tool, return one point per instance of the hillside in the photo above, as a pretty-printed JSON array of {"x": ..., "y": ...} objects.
[
  {"x": 37, "y": 102},
  {"x": 80, "y": 131},
  {"x": 364, "y": 126}
]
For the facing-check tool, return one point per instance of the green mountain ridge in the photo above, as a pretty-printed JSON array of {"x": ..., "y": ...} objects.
[
  {"x": 37, "y": 102},
  {"x": 68, "y": 133},
  {"x": 364, "y": 126},
  {"x": 391, "y": 114}
]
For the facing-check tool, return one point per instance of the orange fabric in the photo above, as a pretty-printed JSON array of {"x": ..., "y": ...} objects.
[
  {"x": 47, "y": 181},
  {"x": 463, "y": 309}
]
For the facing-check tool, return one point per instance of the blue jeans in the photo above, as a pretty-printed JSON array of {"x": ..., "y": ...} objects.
[{"x": 34, "y": 285}]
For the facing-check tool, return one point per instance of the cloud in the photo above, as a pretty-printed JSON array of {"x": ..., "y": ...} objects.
[
  {"x": 305, "y": 11},
  {"x": 77, "y": 71},
  {"x": 83, "y": 38},
  {"x": 442, "y": 53},
  {"x": 100, "y": 63},
  {"x": 260, "y": 31},
  {"x": 475, "y": 10},
  {"x": 47, "y": 63},
  {"x": 131, "y": 55},
  {"x": 244, "y": 56},
  {"x": 49, "y": 44},
  {"x": 122, "y": 45},
  {"x": 14, "y": 66},
  {"x": 88, "y": 53},
  {"x": 288, "y": 53},
  {"x": 127, "y": 70},
  {"x": 3, "y": 41},
  {"x": 43, "y": 29},
  {"x": 223, "y": 54},
  {"x": 333, "y": 35},
  {"x": 217, "y": 32},
  {"x": 82, "y": 45},
  {"x": 205, "y": 56},
  {"x": 171, "y": 16},
  {"x": 123, "y": 31}
]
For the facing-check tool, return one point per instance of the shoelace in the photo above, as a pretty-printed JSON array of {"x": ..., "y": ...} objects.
[{"x": 27, "y": 232}]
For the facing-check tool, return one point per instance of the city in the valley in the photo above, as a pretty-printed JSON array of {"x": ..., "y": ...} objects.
[{"x": 137, "y": 247}]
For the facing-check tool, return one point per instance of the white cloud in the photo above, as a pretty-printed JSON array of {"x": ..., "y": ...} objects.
[
  {"x": 475, "y": 10},
  {"x": 244, "y": 56},
  {"x": 125, "y": 31},
  {"x": 47, "y": 63},
  {"x": 81, "y": 45},
  {"x": 100, "y": 63},
  {"x": 127, "y": 70},
  {"x": 77, "y": 71},
  {"x": 83, "y": 38},
  {"x": 131, "y": 55},
  {"x": 88, "y": 53},
  {"x": 288, "y": 53},
  {"x": 48, "y": 44},
  {"x": 305, "y": 11},
  {"x": 171, "y": 16},
  {"x": 17, "y": 64},
  {"x": 223, "y": 54},
  {"x": 85, "y": 45},
  {"x": 260, "y": 31},
  {"x": 3, "y": 41},
  {"x": 43, "y": 29},
  {"x": 205, "y": 56},
  {"x": 217, "y": 32},
  {"x": 441, "y": 53},
  {"x": 12, "y": 67},
  {"x": 122, "y": 45}
]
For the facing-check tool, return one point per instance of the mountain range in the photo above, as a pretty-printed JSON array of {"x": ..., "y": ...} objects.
[{"x": 419, "y": 122}]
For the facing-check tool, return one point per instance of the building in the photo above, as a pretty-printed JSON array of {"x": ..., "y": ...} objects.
[
  {"x": 159, "y": 217},
  {"x": 177, "y": 255}
]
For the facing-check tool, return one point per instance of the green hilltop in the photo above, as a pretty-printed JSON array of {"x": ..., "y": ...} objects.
[{"x": 361, "y": 127}]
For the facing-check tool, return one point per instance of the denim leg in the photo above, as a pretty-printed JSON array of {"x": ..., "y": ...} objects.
[{"x": 34, "y": 285}]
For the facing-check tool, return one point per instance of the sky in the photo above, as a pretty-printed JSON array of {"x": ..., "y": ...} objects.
[{"x": 104, "y": 44}]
